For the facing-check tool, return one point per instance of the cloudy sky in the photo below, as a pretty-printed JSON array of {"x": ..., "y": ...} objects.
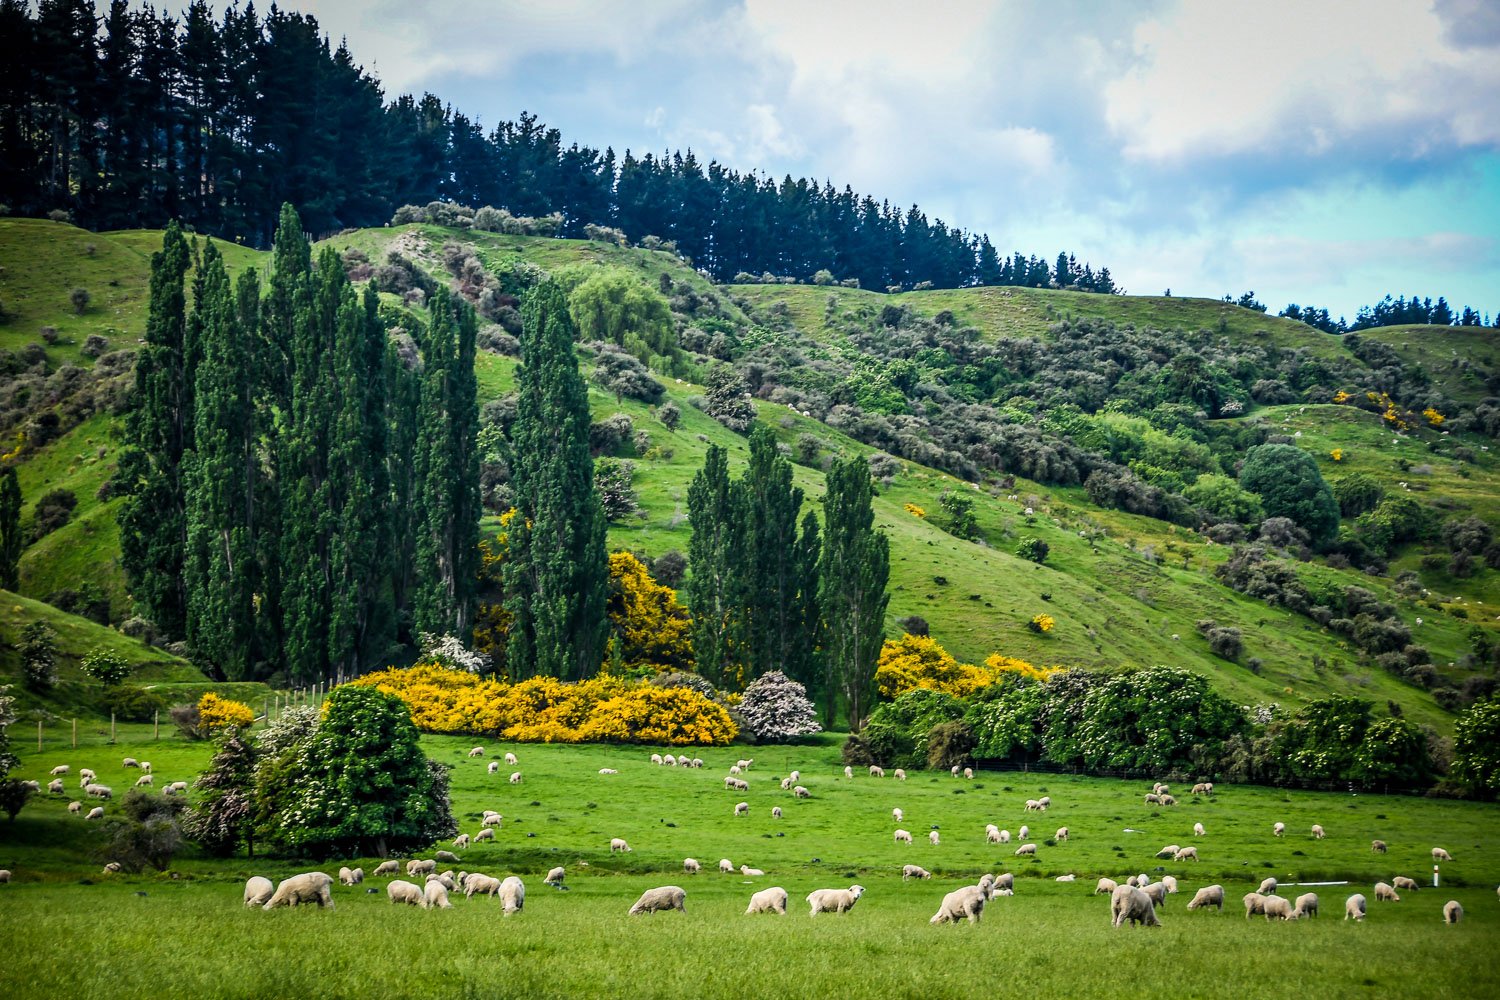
[{"x": 1316, "y": 151}]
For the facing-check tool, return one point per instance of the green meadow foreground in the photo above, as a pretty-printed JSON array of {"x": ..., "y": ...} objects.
[{"x": 71, "y": 931}]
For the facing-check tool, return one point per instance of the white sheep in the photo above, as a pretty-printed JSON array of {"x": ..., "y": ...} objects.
[
  {"x": 85, "y": 776},
  {"x": 1453, "y": 912},
  {"x": 618, "y": 845},
  {"x": 1170, "y": 882},
  {"x": 491, "y": 819},
  {"x": 481, "y": 884},
  {"x": 435, "y": 895},
  {"x": 834, "y": 900},
  {"x": 476, "y": 752},
  {"x": 966, "y": 903},
  {"x": 1307, "y": 906},
  {"x": 347, "y": 876},
  {"x": 4, "y": 876},
  {"x": 98, "y": 791},
  {"x": 608, "y": 770},
  {"x": 95, "y": 813},
  {"x": 1279, "y": 829},
  {"x": 775, "y": 812},
  {"x": 1168, "y": 851},
  {"x": 725, "y": 865},
  {"x": 749, "y": 872},
  {"x": 515, "y": 777},
  {"x": 1152, "y": 799},
  {"x": 1157, "y": 891},
  {"x": 1438, "y": 854},
  {"x": 1026, "y": 849},
  {"x": 1106, "y": 885},
  {"x": 178, "y": 788},
  {"x": 914, "y": 871},
  {"x": 1385, "y": 893},
  {"x": 737, "y": 784},
  {"x": 1198, "y": 830},
  {"x": 1254, "y": 903},
  {"x": 1209, "y": 895},
  {"x": 258, "y": 890},
  {"x": 902, "y": 836},
  {"x": 494, "y": 767},
  {"x": 130, "y": 762},
  {"x": 447, "y": 857},
  {"x": 1066, "y": 878},
  {"x": 1130, "y": 903},
  {"x": 1186, "y": 854},
  {"x": 954, "y": 770},
  {"x": 1405, "y": 884},
  {"x": 665, "y": 897},
  {"x": 488, "y": 833},
  {"x": 876, "y": 771},
  {"x": 112, "y": 868},
  {"x": 59, "y": 769},
  {"x": 1267, "y": 887},
  {"x": 656, "y": 758},
  {"x": 691, "y": 866},
  {"x": 309, "y": 887},
  {"x": 848, "y": 771},
  {"x": 398, "y": 891},
  {"x": 696, "y": 762},
  {"x": 992, "y": 834},
  {"x": 794, "y": 777},
  {"x": 900, "y": 774},
  {"x": 1168, "y": 800},
  {"x": 786, "y": 784},
  {"x": 772, "y": 900},
  {"x": 1004, "y": 836},
  {"x": 1202, "y": 788},
  {"x": 555, "y": 876},
  {"x": 1005, "y": 885},
  {"x": 1278, "y": 908},
  {"x": 387, "y": 868},
  {"x": 418, "y": 866},
  {"x": 510, "y": 760},
  {"x": 55, "y": 787},
  {"x": 734, "y": 769},
  {"x": 75, "y": 807},
  {"x": 801, "y": 793},
  {"x": 35, "y": 786},
  {"x": 933, "y": 838},
  {"x": 743, "y": 765},
  {"x": 1024, "y": 832},
  {"x": 146, "y": 766},
  {"x": 145, "y": 779},
  {"x": 461, "y": 841},
  {"x": 512, "y": 895},
  {"x": 1354, "y": 907},
  {"x": 969, "y": 773},
  {"x": 1317, "y": 832},
  {"x": 1378, "y": 846},
  {"x": 742, "y": 809},
  {"x": 1046, "y": 801},
  {"x": 669, "y": 760},
  {"x": 1032, "y": 805}
]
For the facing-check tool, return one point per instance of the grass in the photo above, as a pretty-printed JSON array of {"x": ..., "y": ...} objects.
[{"x": 1050, "y": 939}]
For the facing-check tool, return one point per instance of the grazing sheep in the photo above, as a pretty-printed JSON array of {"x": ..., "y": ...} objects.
[
  {"x": 177, "y": 788},
  {"x": 1106, "y": 885},
  {"x": 85, "y": 776},
  {"x": 1438, "y": 854},
  {"x": 258, "y": 890},
  {"x": 725, "y": 865},
  {"x": 494, "y": 767},
  {"x": 461, "y": 841},
  {"x": 696, "y": 762},
  {"x": 1209, "y": 895},
  {"x": 914, "y": 871},
  {"x": 1046, "y": 801},
  {"x": 1198, "y": 829},
  {"x": 112, "y": 868},
  {"x": 749, "y": 872},
  {"x": 734, "y": 769},
  {"x": 743, "y": 765},
  {"x": 75, "y": 807},
  {"x": 900, "y": 774},
  {"x": 346, "y": 876},
  {"x": 1026, "y": 849},
  {"x": 555, "y": 876},
  {"x": 1170, "y": 882},
  {"x": 1385, "y": 894},
  {"x": 737, "y": 784},
  {"x": 515, "y": 777},
  {"x": 775, "y": 812},
  {"x": 772, "y": 900},
  {"x": 902, "y": 836},
  {"x": 309, "y": 887},
  {"x": 1168, "y": 851},
  {"x": 447, "y": 856},
  {"x": 897, "y": 814},
  {"x": 1168, "y": 800},
  {"x": 966, "y": 903},
  {"x": 786, "y": 784},
  {"x": 99, "y": 791},
  {"x": 618, "y": 845},
  {"x": 656, "y": 758},
  {"x": 1254, "y": 903},
  {"x": 933, "y": 838},
  {"x": 742, "y": 809},
  {"x": 848, "y": 771},
  {"x": 435, "y": 895},
  {"x": 1278, "y": 908},
  {"x": 510, "y": 760},
  {"x": 1004, "y": 836},
  {"x": 1404, "y": 884},
  {"x": 35, "y": 786},
  {"x": 130, "y": 762},
  {"x": 1032, "y": 805},
  {"x": 1279, "y": 829},
  {"x": 691, "y": 866},
  {"x": 488, "y": 833},
  {"x": 417, "y": 866},
  {"x": 1202, "y": 788},
  {"x": 794, "y": 777},
  {"x": 512, "y": 895},
  {"x": 992, "y": 834},
  {"x": 403, "y": 892},
  {"x": 1157, "y": 892},
  {"x": 1024, "y": 832},
  {"x": 491, "y": 819},
  {"x": 834, "y": 900},
  {"x": 801, "y": 793},
  {"x": 664, "y": 897},
  {"x": 1186, "y": 854},
  {"x": 608, "y": 770},
  {"x": 476, "y": 752},
  {"x": 1307, "y": 906},
  {"x": 1378, "y": 846},
  {"x": 876, "y": 771},
  {"x": 969, "y": 773},
  {"x": 1354, "y": 907},
  {"x": 481, "y": 884},
  {"x": 1267, "y": 887},
  {"x": 669, "y": 760},
  {"x": 1061, "y": 834},
  {"x": 954, "y": 770},
  {"x": 387, "y": 868},
  {"x": 1317, "y": 832},
  {"x": 1452, "y": 912},
  {"x": 1152, "y": 799},
  {"x": 59, "y": 769},
  {"x": 1130, "y": 903},
  {"x": 4, "y": 876},
  {"x": 1158, "y": 788},
  {"x": 95, "y": 813},
  {"x": 1066, "y": 878},
  {"x": 55, "y": 787}
]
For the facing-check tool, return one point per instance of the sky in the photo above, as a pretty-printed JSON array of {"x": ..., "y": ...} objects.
[{"x": 1312, "y": 151}]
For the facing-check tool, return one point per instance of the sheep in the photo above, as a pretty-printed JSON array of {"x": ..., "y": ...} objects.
[
  {"x": 85, "y": 776},
  {"x": 512, "y": 895},
  {"x": 969, "y": 773},
  {"x": 725, "y": 865},
  {"x": 1004, "y": 836},
  {"x": 1403, "y": 883},
  {"x": 1378, "y": 846},
  {"x": 1202, "y": 788},
  {"x": 848, "y": 771},
  {"x": 1152, "y": 799},
  {"x": 1279, "y": 829},
  {"x": 900, "y": 774},
  {"x": 1267, "y": 887},
  {"x": 696, "y": 762},
  {"x": 1026, "y": 849},
  {"x": 1385, "y": 894},
  {"x": 476, "y": 752},
  {"x": 933, "y": 838},
  {"x": 59, "y": 769},
  {"x": 4, "y": 876},
  {"x": 484, "y": 885},
  {"x": 775, "y": 812},
  {"x": 1157, "y": 892},
  {"x": 488, "y": 833},
  {"x": 1453, "y": 912},
  {"x": 749, "y": 872},
  {"x": 510, "y": 760},
  {"x": 515, "y": 777},
  {"x": 448, "y": 878},
  {"x": 772, "y": 900},
  {"x": 95, "y": 813},
  {"x": 1130, "y": 903},
  {"x": 1024, "y": 832},
  {"x": 1005, "y": 884},
  {"x": 876, "y": 771},
  {"x": 1186, "y": 854},
  {"x": 1046, "y": 801},
  {"x": 786, "y": 784},
  {"x": 435, "y": 895},
  {"x": 1307, "y": 906},
  {"x": 1158, "y": 788},
  {"x": 1317, "y": 832},
  {"x": 656, "y": 758},
  {"x": 669, "y": 760},
  {"x": 75, "y": 807},
  {"x": 1032, "y": 805},
  {"x": 309, "y": 887},
  {"x": 351, "y": 876},
  {"x": 914, "y": 871},
  {"x": 112, "y": 868},
  {"x": 801, "y": 793},
  {"x": 742, "y": 809},
  {"x": 734, "y": 769},
  {"x": 494, "y": 767},
  {"x": 954, "y": 770},
  {"x": 491, "y": 819},
  {"x": 743, "y": 765},
  {"x": 1209, "y": 895},
  {"x": 966, "y": 903},
  {"x": 902, "y": 836},
  {"x": 461, "y": 841},
  {"x": 1278, "y": 908},
  {"x": 608, "y": 770},
  {"x": 417, "y": 866},
  {"x": 35, "y": 786},
  {"x": 736, "y": 784},
  {"x": 447, "y": 856},
  {"x": 992, "y": 834},
  {"x": 177, "y": 788},
  {"x": 1168, "y": 800},
  {"x": 99, "y": 791},
  {"x": 834, "y": 900},
  {"x": 1254, "y": 903},
  {"x": 387, "y": 868},
  {"x": 1438, "y": 854},
  {"x": 130, "y": 762},
  {"x": 618, "y": 845},
  {"x": 897, "y": 814},
  {"x": 399, "y": 891},
  {"x": 555, "y": 876},
  {"x": 55, "y": 787},
  {"x": 1106, "y": 885},
  {"x": 1354, "y": 907},
  {"x": 664, "y": 897},
  {"x": 691, "y": 866},
  {"x": 258, "y": 890},
  {"x": 1169, "y": 851},
  {"x": 1198, "y": 830}
]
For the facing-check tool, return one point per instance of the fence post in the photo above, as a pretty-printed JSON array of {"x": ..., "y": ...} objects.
[
  {"x": 39, "y": 734},
  {"x": 265, "y": 707},
  {"x": 156, "y": 724},
  {"x": 75, "y": 734},
  {"x": 111, "y": 727}
]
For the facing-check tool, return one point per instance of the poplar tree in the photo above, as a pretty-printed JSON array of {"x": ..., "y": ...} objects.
[
  {"x": 152, "y": 519},
  {"x": 557, "y": 571},
  {"x": 403, "y": 408},
  {"x": 10, "y": 529},
  {"x": 856, "y": 565},
  {"x": 714, "y": 586}
]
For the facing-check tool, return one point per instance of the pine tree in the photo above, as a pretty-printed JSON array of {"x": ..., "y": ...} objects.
[
  {"x": 152, "y": 519},
  {"x": 713, "y": 585},
  {"x": 854, "y": 571},
  {"x": 557, "y": 574},
  {"x": 10, "y": 529}
]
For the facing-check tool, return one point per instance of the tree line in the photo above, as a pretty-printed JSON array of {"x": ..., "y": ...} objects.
[
  {"x": 136, "y": 117},
  {"x": 1400, "y": 311}
]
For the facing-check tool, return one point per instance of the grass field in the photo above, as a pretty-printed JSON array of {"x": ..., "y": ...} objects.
[{"x": 189, "y": 936}]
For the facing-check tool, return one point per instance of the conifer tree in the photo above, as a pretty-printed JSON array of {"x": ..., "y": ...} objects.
[
  {"x": 714, "y": 585},
  {"x": 854, "y": 571},
  {"x": 557, "y": 575},
  {"x": 403, "y": 411},
  {"x": 10, "y": 529}
]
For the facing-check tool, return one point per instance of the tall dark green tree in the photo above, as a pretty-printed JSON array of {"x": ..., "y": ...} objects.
[
  {"x": 1289, "y": 485},
  {"x": 153, "y": 518},
  {"x": 446, "y": 472},
  {"x": 557, "y": 572},
  {"x": 403, "y": 410},
  {"x": 10, "y": 529},
  {"x": 714, "y": 583},
  {"x": 854, "y": 571}
]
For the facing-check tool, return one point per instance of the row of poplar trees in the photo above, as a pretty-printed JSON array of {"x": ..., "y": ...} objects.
[{"x": 299, "y": 497}]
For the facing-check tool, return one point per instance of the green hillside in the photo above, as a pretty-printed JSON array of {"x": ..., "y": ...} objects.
[{"x": 1125, "y": 589}]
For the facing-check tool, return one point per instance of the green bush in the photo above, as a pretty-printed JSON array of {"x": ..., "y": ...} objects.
[{"x": 131, "y": 704}]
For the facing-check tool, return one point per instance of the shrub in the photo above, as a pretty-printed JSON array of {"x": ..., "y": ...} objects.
[
  {"x": 1290, "y": 485},
  {"x": 1033, "y": 548},
  {"x": 185, "y": 718},
  {"x": 38, "y": 651},
  {"x": 14, "y": 795},
  {"x": 79, "y": 297},
  {"x": 53, "y": 509},
  {"x": 148, "y": 834},
  {"x": 612, "y": 481},
  {"x": 94, "y": 345},
  {"x": 106, "y": 666},
  {"x": 669, "y": 414},
  {"x": 918, "y": 661},
  {"x": 949, "y": 744},
  {"x": 215, "y": 713},
  {"x": 131, "y": 704},
  {"x": 776, "y": 709},
  {"x": 1042, "y": 624}
]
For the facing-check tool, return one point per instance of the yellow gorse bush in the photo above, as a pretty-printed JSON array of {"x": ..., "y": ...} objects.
[
  {"x": 214, "y": 713},
  {"x": 918, "y": 661}
]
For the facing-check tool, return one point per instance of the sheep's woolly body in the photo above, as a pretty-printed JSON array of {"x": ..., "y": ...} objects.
[
  {"x": 772, "y": 900},
  {"x": 664, "y": 897}
]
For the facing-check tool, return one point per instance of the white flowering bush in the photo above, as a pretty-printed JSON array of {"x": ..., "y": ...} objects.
[
  {"x": 776, "y": 709},
  {"x": 448, "y": 651}
]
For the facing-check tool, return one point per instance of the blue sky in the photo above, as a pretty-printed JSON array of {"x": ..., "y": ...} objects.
[{"x": 1318, "y": 152}]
